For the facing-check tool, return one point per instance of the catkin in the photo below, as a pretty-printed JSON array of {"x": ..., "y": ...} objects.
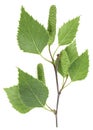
[
  {"x": 40, "y": 73},
  {"x": 52, "y": 24}
]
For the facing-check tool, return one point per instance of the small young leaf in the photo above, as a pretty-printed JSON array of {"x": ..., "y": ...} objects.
[
  {"x": 72, "y": 51},
  {"x": 79, "y": 68},
  {"x": 68, "y": 31},
  {"x": 32, "y": 37},
  {"x": 40, "y": 73},
  {"x": 32, "y": 91},
  {"x": 52, "y": 24},
  {"x": 14, "y": 98},
  {"x": 63, "y": 63}
]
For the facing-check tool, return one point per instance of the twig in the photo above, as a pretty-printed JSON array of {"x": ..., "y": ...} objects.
[
  {"x": 57, "y": 85},
  {"x": 52, "y": 110},
  {"x": 45, "y": 58},
  {"x": 67, "y": 84},
  {"x": 63, "y": 86},
  {"x": 55, "y": 51}
]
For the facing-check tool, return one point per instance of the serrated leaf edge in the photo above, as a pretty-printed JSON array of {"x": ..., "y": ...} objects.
[
  {"x": 67, "y": 33},
  {"x": 22, "y": 8},
  {"x": 30, "y": 87}
]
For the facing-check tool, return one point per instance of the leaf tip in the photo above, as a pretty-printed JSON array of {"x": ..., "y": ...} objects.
[
  {"x": 19, "y": 72},
  {"x": 67, "y": 32},
  {"x": 22, "y": 9},
  {"x": 5, "y": 89},
  {"x": 79, "y": 68}
]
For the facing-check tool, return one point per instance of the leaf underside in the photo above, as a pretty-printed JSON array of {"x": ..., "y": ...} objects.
[
  {"x": 79, "y": 68},
  {"x": 32, "y": 91},
  {"x": 15, "y": 100},
  {"x": 68, "y": 31},
  {"x": 32, "y": 36},
  {"x": 72, "y": 52}
]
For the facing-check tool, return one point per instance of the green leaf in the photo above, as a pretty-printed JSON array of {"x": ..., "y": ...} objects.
[
  {"x": 32, "y": 91},
  {"x": 52, "y": 24},
  {"x": 63, "y": 63},
  {"x": 14, "y": 98},
  {"x": 79, "y": 68},
  {"x": 32, "y": 36},
  {"x": 68, "y": 31},
  {"x": 40, "y": 73},
  {"x": 72, "y": 51}
]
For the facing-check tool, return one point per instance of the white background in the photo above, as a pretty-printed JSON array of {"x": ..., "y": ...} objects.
[{"x": 76, "y": 103}]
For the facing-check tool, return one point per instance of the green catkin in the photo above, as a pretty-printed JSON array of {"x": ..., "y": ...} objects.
[
  {"x": 40, "y": 73},
  {"x": 52, "y": 24}
]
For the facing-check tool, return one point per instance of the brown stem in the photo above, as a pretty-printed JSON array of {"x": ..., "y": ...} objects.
[
  {"x": 56, "y": 76},
  {"x": 57, "y": 85},
  {"x": 58, "y": 95},
  {"x": 55, "y": 65},
  {"x": 56, "y": 114},
  {"x": 51, "y": 55},
  {"x": 55, "y": 69}
]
